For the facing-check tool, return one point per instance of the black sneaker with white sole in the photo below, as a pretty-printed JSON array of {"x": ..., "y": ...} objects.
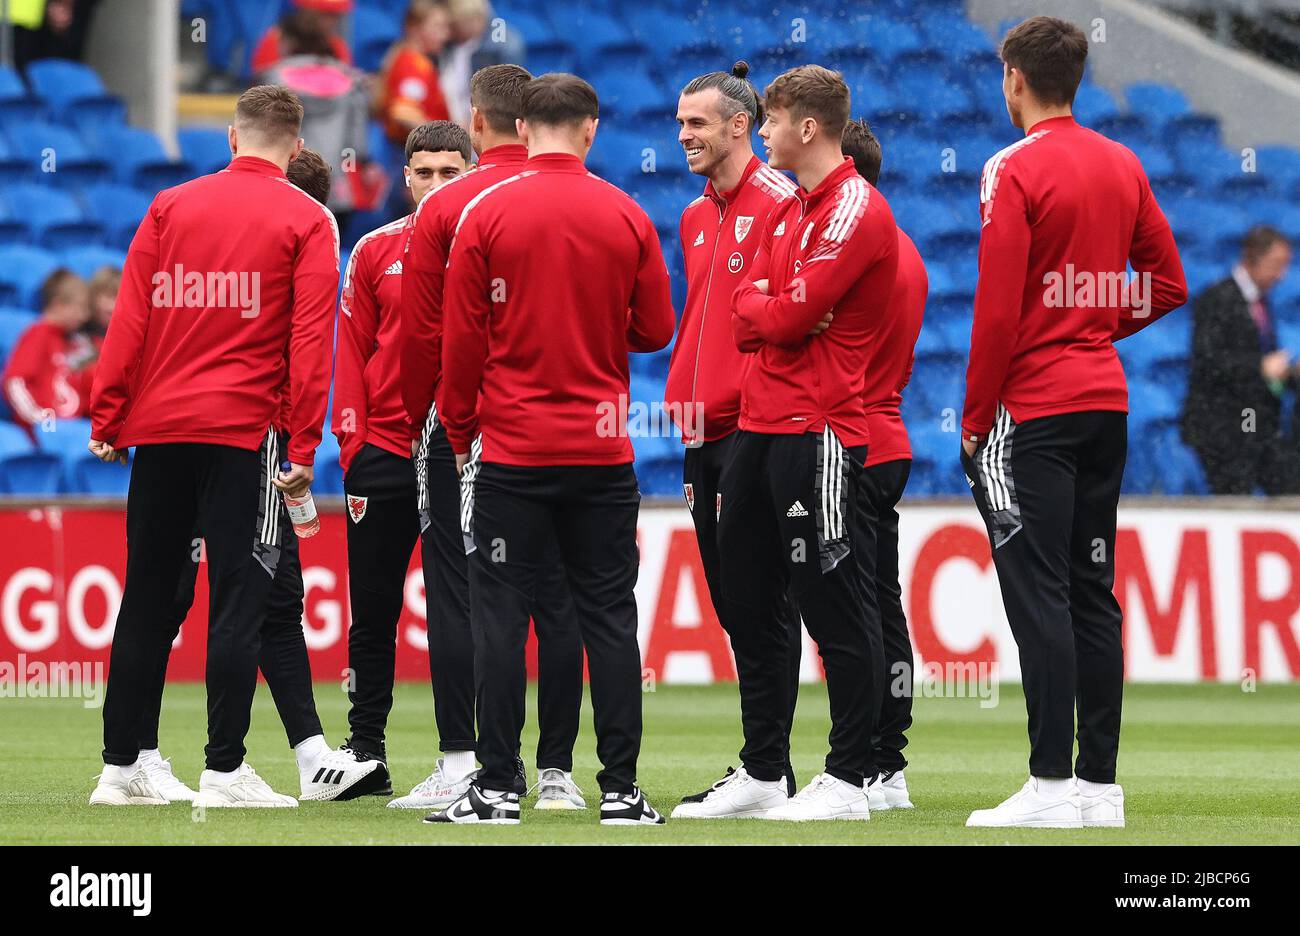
[
  {"x": 699, "y": 797},
  {"x": 382, "y": 781},
  {"x": 482, "y": 806},
  {"x": 628, "y": 809},
  {"x": 521, "y": 777}
]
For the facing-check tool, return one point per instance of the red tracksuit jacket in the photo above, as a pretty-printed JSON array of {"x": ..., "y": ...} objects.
[
  {"x": 720, "y": 235},
  {"x": 832, "y": 249},
  {"x": 229, "y": 283},
  {"x": 554, "y": 276},
  {"x": 889, "y": 366},
  {"x": 39, "y": 375},
  {"x": 367, "y": 396},
  {"x": 425, "y": 266},
  {"x": 1064, "y": 211}
]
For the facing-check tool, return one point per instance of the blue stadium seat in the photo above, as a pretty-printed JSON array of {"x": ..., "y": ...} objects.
[
  {"x": 34, "y": 474},
  {"x": 374, "y": 30},
  {"x": 1161, "y": 101},
  {"x": 15, "y": 100},
  {"x": 660, "y": 477},
  {"x": 55, "y": 154},
  {"x": 1093, "y": 104},
  {"x": 118, "y": 208},
  {"x": 88, "y": 475},
  {"x": 22, "y": 271},
  {"x": 13, "y": 322},
  {"x": 86, "y": 261},
  {"x": 14, "y": 441},
  {"x": 13, "y": 229},
  {"x": 55, "y": 217},
  {"x": 141, "y": 161},
  {"x": 72, "y": 89},
  {"x": 329, "y": 473},
  {"x": 633, "y": 95},
  {"x": 66, "y": 438},
  {"x": 204, "y": 148}
]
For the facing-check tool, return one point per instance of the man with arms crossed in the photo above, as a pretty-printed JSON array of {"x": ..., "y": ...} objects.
[
  {"x": 1044, "y": 429},
  {"x": 496, "y": 93},
  {"x": 555, "y": 275},
  {"x": 822, "y": 281},
  {"x": 227, "y": 295},
  {"x": 720, "y": 234}
]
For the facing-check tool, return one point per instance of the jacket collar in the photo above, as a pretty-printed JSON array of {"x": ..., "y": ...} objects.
[
  {"x": 556, "y": 162},
  {"x": 255, "y": 164},
  {"x": 730, "y": 195},
  {"x": 845, "y": 170},
  {"x": 506, "y": 154},
  {"x": 1053, "y": 123}
]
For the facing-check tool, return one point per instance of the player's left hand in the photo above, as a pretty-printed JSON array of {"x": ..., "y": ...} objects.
[
  {"x": 106, "y": 453},
  {"x": 969, "y": 447},
  {"x": 296, "y": 481},
  {"x": 462, "y": 459}
]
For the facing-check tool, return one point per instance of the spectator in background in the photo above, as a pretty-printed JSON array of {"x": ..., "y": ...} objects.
[
  {"x": 39, "y": 379},
  {"x": 1238, "y": 374},
  {"x": 474, "y": 46},
  {"x": 49, "y": 29},
  {"x": 325, "y": 16},
  {"x": 102, "y": 297},
  {"x": 409, "y": 92},
  {"x": 336, "y": 105}
]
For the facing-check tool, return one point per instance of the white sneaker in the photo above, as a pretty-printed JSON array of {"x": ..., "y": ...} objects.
[
  {"x": 118, "y": 787},
  {"x": 888, "y": 791},
  {"x": 436, "y": 790},
  {"x": 245, "y": 789},
  {"x": 339, "y": 775},
  {"x": 1031, "y": 810},
  {"x": 165, "y": 782},
  {"x": 1104, "y": 809},
  {"x": 826, "y": 797},
  {"x": 736, "y": 796},
  {"x": 556, "y": 790}
]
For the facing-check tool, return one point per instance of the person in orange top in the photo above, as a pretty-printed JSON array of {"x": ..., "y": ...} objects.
[
  {"x": 328, "y": 13},
  {"x": 408, "y": 91}
]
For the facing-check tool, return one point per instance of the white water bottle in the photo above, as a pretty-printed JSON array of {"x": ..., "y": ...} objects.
[{"x": 302, "y": 511}]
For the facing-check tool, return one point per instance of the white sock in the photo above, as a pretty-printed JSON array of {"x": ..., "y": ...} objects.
[
  {"x": 151, "y": 754},
  {"x": 1052, "y": 787},
  {"x": 224, "y": 776},
  {"x": 127, "y": 770},
  {"x": 1088, "y": 788},
  {"x": 457, "y": 764},
  {"x": 306, "y": 752}
]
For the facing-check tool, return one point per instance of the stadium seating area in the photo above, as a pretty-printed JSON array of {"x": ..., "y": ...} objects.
[{"x": 926, "y": 78}]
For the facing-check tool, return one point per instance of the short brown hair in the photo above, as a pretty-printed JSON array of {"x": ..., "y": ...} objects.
[
  {"x": 1259, "y": 240},
  {"x": 311, "y": 173},
  {"x": 439, "y": 136},
  {"x": 105, "y": 282},
  {"x": 861, "y": 144},
  {"x": 498, "y": 93},
  {"x": 1050, "y": 53},
  {"x": 417, "y": 10},
  {"x": 557, "y": 99},
  {"x": 812, "y": 91},
  {"x": 60, "y": 286},
  {"x": 272, "y": 114}
]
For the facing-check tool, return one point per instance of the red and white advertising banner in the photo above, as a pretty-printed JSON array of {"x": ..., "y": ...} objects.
[{"x": 1208, "y": 594}]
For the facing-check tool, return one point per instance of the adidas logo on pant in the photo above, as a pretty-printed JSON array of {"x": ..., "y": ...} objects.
[{"x": 796, "y": 510}]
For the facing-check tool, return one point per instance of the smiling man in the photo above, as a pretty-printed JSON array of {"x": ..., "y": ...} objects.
[{"x": 720, "y": 234}]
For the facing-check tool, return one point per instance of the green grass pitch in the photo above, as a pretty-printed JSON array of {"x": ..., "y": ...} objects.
[{"x": 1199, "y": 764}]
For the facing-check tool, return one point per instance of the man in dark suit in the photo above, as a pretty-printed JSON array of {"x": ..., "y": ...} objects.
[{"x": 1238, "y": 374}]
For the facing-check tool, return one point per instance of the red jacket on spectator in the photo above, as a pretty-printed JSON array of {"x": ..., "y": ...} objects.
[{"x": 42, "y": 379}]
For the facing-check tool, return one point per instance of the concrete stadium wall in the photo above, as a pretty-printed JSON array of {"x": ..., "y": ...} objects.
[{"x": 1257, "y": 102}]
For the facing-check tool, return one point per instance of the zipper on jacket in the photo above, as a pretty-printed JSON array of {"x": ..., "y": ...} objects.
[{"x": 699, "y": 344}]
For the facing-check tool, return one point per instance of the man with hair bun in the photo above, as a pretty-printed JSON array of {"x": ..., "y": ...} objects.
[{"x": 717, "y": 114}]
